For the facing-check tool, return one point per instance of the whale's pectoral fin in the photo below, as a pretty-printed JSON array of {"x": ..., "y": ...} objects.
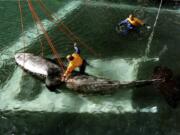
[
  {"x": 53, "y": 79},
  {"x": 49, "y": 85},
  {"x": 53, "y": 83}
]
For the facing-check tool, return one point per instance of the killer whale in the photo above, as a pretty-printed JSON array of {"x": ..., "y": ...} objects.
[{"x": 50, "y": 72}]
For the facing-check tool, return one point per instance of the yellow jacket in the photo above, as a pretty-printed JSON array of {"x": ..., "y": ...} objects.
[
  {"x": 135, "y": 22},
  {"x": 76, "y": 62}
]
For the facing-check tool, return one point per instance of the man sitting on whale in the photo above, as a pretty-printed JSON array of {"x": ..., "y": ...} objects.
[{"x": 75, "y": 60}]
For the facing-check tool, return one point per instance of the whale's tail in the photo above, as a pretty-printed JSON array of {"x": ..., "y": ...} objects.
[{"x": 169, "y": 87}]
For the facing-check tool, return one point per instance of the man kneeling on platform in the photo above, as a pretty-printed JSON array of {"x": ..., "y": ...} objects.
[{"x": 75, "y": 60}]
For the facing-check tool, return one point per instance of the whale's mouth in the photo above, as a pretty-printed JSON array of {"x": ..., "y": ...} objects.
[
  {"x": 18, "y": 56},
  {"x": 21, "y": 58}
]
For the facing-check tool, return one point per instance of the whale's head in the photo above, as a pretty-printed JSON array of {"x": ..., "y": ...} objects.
[{"x": 21, "y": 58}]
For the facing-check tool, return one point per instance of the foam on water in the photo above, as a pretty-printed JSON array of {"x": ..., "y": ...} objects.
[
  {"x": 117, "y": 69},
  {"x": 149, "y": 109}
]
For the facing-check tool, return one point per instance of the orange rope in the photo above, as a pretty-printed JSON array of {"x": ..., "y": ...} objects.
[
  {"x": 22, "y": 27},
  {"x": 21, "y": 18},
  {"x": 41, "y": 44},
  {"x": 45, "y": 34},
  {"x": 48, "y": 14},
  {"x": 65, "y": 29}
]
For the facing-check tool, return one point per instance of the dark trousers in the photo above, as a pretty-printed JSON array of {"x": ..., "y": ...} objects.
[
  {"x": 83, "y": 67},
  {"x": 129, "y": 27}
]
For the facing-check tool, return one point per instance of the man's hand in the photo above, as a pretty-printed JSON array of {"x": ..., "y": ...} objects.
[{"x": 63, "y": 78}]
